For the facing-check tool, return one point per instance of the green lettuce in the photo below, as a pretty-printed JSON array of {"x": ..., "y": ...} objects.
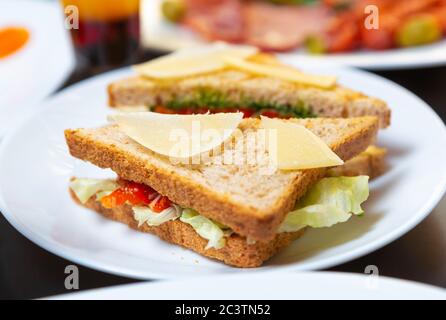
[
  {"x": 146, "y": 215},
  {"x": 84, "y": 189},
  {"x": 215, "y": 100},
  {"x": 205, "y": 227},
  {"x": 328, "y": 202}
]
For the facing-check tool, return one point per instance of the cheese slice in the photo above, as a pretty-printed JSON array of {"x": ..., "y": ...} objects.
[
  {"x": 193, "y": 61},
  {"x": 293, "y": 147},
  {"x": 178, "y": 136},
  {"x": 266, "y": 58},
  {"x": 279, "y": 72}
]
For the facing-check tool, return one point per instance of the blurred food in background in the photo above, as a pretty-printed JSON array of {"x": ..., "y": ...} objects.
[
  {"x": 12, "y": 39},
  {"x": 319, "y": 26},
  {"x": 108, "y": 33}
]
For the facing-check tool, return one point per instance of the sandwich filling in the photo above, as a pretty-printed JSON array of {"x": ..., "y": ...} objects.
[
  {"x": 213, "y": 101},
  {"x": 330, "y": 201}
]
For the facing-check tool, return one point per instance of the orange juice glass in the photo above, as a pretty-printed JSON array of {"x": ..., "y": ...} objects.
[{"x": 107, "y": 33}]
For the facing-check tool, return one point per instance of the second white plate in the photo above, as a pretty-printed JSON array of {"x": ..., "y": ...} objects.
[
  {"x": 268, "y": 286},
  {"x": 160, "y": 34},
  {"x": 35, "y": 168}
]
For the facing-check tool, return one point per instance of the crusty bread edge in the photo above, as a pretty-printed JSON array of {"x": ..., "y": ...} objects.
[
  {"x": 237, "y": 252},
  {"x": 360, "y": 107}
]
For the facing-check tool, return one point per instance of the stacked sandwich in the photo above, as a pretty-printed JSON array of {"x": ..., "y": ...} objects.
[
  {"x": 243, "y": 212},
  {"x": 251, "y": 82}
]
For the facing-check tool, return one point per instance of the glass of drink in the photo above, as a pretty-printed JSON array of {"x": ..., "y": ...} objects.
[{"x": 105, "y": 33}]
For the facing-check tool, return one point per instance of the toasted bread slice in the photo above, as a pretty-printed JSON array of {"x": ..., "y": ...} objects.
[
  {"x": 237, "y": 252},
  {"x": 238, "y": 87},
  {"x": 242, "y": 197}
]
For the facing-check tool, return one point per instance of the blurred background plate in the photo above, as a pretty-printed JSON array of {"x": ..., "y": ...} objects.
[
  {"x": 44, "y": 212},
  {"x": 41, "y": 66},
  {"x": 269, "y": 286},
  {"x": 162, "y": 35}
]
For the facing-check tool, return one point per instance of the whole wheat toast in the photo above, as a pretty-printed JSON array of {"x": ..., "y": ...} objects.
[
  {"x": 236, "y": 252},
  {"x": 251, "y": 204},
  {"x": 338, "y": 102}
]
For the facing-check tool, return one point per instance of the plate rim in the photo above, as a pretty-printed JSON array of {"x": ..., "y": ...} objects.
[
  {"x": 328, "y": 262},
  {"x": 352, "y": 277}
]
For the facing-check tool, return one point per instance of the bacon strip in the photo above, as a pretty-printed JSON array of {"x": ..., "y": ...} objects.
[
  {"x": 216, "y": 19},
  {"x": 270, "y": 27},
  {"x": 281, "y": 28}
]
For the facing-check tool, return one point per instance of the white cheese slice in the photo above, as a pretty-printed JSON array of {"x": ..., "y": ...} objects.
[
  {"x": 178, "y": 136},
  {"x": 280, "y": 72},
  {"x": 193, "y": 61},
  {"x": 294, "y": 147}
]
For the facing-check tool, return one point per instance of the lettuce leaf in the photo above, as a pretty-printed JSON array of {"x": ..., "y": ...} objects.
[
  {"x": 205, "y": 227},
  {"x": 328, "y": 202},
  {"x": 102, "y": 194},
  {"x": 84, "y": 189},
  {"x": 146, "y": 215}
]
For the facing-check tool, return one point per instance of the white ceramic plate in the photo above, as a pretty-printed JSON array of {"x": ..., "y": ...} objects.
[
  {"x": 162, "y": 35},
  {"x": 269, "y": 286},
  {"x": 35, "y": 169},
  {"x": 41, "y": 66}
]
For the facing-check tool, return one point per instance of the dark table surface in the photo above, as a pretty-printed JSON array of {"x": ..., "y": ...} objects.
[{"x": 27, "y": 271}]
